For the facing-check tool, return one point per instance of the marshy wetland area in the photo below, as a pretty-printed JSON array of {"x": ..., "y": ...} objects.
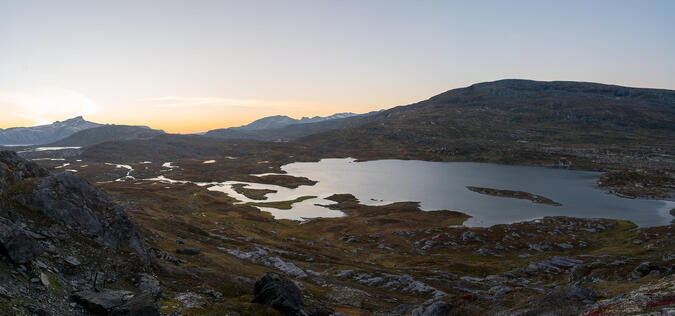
[{"x": 381, "y": 237}]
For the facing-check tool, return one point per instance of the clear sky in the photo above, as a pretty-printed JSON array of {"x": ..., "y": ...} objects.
[{"x": 188, "y": 66}]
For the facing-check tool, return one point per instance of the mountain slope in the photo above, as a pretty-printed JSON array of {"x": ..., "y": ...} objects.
[
  {"x": 44, "y": 134},
  {"x": 498, "y": 121},
  {"x": 279, "y": 127},
  {"x": 278, "y": 121},
  {"x": 107, "y": 133}
]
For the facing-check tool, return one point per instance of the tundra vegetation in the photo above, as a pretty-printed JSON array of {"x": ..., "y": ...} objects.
[{"x": 153, "y": 239}]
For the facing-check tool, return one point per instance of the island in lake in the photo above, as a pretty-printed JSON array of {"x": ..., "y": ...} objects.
[{"x": 514, "y": 194}]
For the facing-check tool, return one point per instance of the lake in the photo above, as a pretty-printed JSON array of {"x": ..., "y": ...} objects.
[{"x": 442, "y": 186}]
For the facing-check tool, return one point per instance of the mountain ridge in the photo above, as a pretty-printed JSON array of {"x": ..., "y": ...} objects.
[
  {"x": 43, "y": 134},
  {"x": 106, "y": 133},
  {"x": 275, "y": 122}
]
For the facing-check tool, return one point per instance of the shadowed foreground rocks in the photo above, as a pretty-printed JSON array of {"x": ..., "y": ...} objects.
[
  {"x": 17, "y": 244},
  {"x": 72, "y": 201},
  {"x": 66, "y": 249},
  {"x": 119, "y": 303},
  {"x": 279, "y": 293}
]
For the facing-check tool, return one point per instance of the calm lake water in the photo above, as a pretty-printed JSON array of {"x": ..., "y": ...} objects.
[{"x": 442, "y": 186}]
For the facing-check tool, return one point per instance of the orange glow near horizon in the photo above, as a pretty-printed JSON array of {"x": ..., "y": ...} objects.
[
  {"x": 183, "y": 117},
  {"x": 188, "y": 67}
]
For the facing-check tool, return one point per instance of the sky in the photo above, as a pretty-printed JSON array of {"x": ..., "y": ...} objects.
[{"x": 192, "y": 66}]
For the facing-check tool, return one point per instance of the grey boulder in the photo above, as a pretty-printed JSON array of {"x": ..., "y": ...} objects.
[
  {"x": 279, "y": 293},
  {"x": 17, "y": 243},
  {"x": 102, "y": 302}
]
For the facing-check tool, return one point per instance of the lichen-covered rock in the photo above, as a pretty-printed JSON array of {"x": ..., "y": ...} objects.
[{"x": 279, "y": 293}]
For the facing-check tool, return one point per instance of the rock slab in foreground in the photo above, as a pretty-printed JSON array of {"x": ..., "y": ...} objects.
[
  {"x": 118, "y": 303},
  {"x": 102, "y": 302}
]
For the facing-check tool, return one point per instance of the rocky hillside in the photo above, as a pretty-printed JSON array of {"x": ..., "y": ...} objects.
[
  {"x": 562, "y": 124},
  {"x": 107, "y": 133},
  {"x": 214, "y": 256},
  {"x": 497, "y": 115},
  {"x": 44, "y": 134},
  {"x": 65, "y": 248}
]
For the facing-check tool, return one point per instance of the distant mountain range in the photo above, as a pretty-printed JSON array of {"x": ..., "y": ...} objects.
[
  {"x": 44, "y": 134},
  {"x": 509, "y": 121},
  {"x": 73, "y": 132},
  {"x": 284, "y": 128},
  {"x": 107, "y": 133},
  {"x": 278, "y": 121},
  {"x": 502, "y": 121}
]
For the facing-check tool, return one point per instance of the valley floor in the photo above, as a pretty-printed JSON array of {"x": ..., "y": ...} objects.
[{"x": 206, "y": 251}]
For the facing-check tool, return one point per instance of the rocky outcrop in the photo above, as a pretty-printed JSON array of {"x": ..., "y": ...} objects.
[
  {"x": 118, "y": 303},
  {"x": 150, "y": 285},
  {"x": 72, "y": 201},
  {"x": 279, "y": 293},
  {"x": 264, "y": 257},
  {"x": 52, "y": 228},
  {"x": 102, "y": 302},
  {"x": 18, "y": 168},
  {"x": 14, "y": 168},
  {"x": 122, "y": 232},
  {"x": 17, "y": 244}
]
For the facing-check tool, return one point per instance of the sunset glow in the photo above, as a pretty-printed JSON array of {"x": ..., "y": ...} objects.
[{"x": 188, "y": 68}]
